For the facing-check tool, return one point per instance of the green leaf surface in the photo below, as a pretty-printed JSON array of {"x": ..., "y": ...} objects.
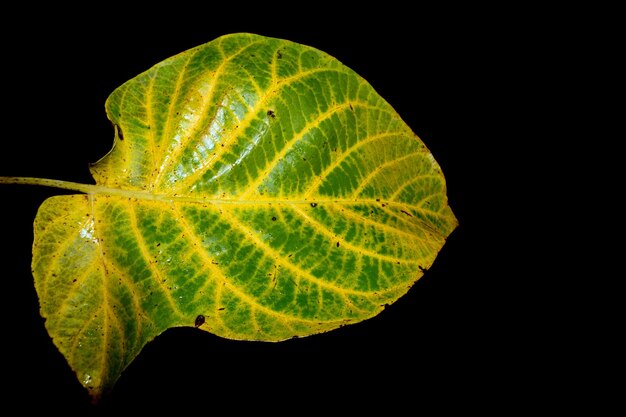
[{"x": 257, "y": 189}]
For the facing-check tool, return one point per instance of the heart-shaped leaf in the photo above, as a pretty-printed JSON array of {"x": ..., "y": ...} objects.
[{"x": 257, "y": 189}]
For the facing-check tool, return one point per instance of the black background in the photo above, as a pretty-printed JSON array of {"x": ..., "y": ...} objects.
[{"x": 447, "y": 343}]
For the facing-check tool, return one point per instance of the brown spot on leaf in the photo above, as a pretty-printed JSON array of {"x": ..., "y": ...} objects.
[
  {"x": 406, "y": 212},
  {"x": 200, "y": 320}
]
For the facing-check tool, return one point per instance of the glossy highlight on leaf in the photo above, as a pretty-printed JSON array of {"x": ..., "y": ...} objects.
[{"x": 257, "y": 189}]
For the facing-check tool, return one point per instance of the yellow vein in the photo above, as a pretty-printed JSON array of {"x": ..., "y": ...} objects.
[
  {"x": 386, "y": 208},
  {"x": 116, "y": 321},
  {"x": 148, "y": 196},
  {"x": 388, "y": 293},
  {"x": 207, "y": 100},
  {"x": 421, "y": 210},
  {"x": 367, "y": 179},
  {"x": 136, "y": 303},
  {"x": 422, "y": 222},
  {"x": 76, "y": 287},
  {"x": 403, "y": 218},
  {"x": 411, "y": 181},
  {"x": 215, "y": 295},
  {"x": 105, "y": 292},
  {"x": 345, "y": 211},
  {"x": 299, "y": 61},
  {"x": 176, "y": 149},
  {"x": 218, "y": 295},
  {"x": 124, "y": 149},
  {"x": 289, "y": 145},
  {"x": 367, "y": 201},
  {"x": 300, "y": 75},
  {"x": 320, "y": 178},
  {"x": 152, "y": 143},
  {"x": 200, "y": 292},
  {"x": 229, "y": 139},
  {"x": 221, "y": 278},
  {"x": 383, "y": 279},
  {"x": 323, "y": 229},
  {"x": 255, "y": 324},
  {"x": 348, "y": 300},
  {"x": 274, "y": 63},
  {"x": 75, "y": 340},
  {"x": 272, "y": 253},
  {"x": 147, "y": 258},
  {"x": 257, "y": 88},
  {"x": 85, "y": 272},
  {"x": 45, "y": 225},
  {"x": 167, "y": 136},
  {"x": 63, "y": 248},
  {"x": 217, "y": 273}
]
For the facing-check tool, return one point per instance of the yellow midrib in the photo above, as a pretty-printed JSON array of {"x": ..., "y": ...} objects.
[{"x": 167, "y": 198}]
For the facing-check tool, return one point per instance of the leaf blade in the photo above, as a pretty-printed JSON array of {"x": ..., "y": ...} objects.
[{"x": 254, "y": 182}]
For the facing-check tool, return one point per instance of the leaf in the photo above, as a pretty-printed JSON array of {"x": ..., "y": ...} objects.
[{"x": 257, "y": 189}]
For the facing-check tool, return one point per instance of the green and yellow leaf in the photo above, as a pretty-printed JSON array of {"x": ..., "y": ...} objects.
[{"x": 257, "y": 189}]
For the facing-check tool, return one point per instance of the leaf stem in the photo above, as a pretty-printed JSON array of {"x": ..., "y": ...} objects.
[
  {"x": 67, "y": 185},
  {"x": 83, "y": 188}
]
